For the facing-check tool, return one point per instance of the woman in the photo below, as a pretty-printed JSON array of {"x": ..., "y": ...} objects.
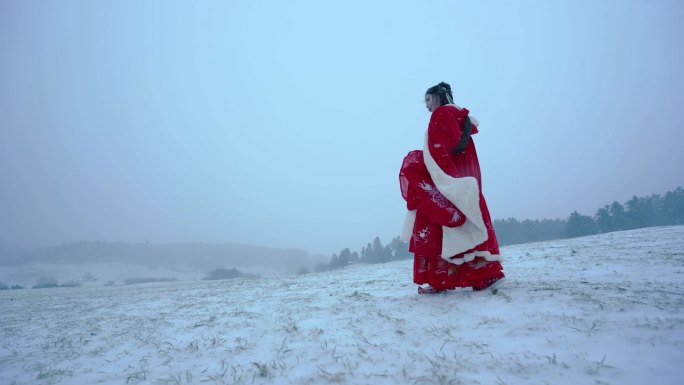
[{"x": 448, "y": 226}]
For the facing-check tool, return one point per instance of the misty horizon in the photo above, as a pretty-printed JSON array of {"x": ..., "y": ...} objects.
[
  {"x": 282, "y": 126},
  {"x": 10, "y": 247}
]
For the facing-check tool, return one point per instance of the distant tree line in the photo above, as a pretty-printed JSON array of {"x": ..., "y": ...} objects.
[
  {"x": 373, "y": 252},
  {"x": 4, "y": 286},
  {"x": 223, "y": 273},
  {"x": 638, "y": 212},
  {"x": 512, "y": 231}
]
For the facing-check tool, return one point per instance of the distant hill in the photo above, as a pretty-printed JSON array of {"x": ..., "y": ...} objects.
[{"x": 198, "y": 255}]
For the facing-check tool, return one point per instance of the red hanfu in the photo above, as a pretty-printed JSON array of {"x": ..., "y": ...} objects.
[{"x": 448, "y": 228}]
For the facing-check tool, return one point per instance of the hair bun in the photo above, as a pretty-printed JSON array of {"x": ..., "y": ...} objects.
[{"x": 445, "y": 85}]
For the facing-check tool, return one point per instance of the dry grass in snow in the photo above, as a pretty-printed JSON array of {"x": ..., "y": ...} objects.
[{"x": 605, "y": 309}]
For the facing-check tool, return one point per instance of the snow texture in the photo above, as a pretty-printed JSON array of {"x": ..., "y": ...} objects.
[{"x": 605, "y": 309}]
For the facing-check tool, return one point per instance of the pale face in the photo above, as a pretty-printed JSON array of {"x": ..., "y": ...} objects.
[{"x": 431, "y": 102}]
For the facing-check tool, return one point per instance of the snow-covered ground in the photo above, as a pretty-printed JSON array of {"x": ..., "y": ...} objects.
[{"x": 606, "y": 309}]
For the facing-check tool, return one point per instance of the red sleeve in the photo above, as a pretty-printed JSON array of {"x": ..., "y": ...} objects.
[
  {"x": 436, "y": 206},
  {"x": 412, "y": 171},
  {"x": 420, "y": 192}
]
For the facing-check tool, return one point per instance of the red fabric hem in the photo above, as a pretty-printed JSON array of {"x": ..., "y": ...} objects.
[{"x": 442, "y": 275}]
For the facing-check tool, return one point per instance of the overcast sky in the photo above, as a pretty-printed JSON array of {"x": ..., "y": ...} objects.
[{"x": 284, "y": 123}]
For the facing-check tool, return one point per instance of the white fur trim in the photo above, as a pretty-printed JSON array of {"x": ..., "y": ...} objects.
[
  {"x": 464, "y": 193},
  {"x": 409, "y": 221},
  {"x": 471, "y": 256}
]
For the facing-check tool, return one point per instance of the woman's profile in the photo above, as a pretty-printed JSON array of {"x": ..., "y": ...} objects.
[{"x": 448, "y": 226}]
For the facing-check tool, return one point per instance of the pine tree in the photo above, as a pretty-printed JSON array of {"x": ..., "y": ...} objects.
[
  {"x": 617, "y": 213},
  {"x": 344, "y": 257},
  {"x": 604, "y": 221},
  {"x": 580, "y": 225},
  {"x": 398, "y": 249},
  {"x": 377, "y": 251},
  {"x": 673, "y": 207},
  {"x": 368, "y": 257}
]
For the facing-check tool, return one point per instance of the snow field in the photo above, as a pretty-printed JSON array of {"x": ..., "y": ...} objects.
[{"x": 606, "y": 309}]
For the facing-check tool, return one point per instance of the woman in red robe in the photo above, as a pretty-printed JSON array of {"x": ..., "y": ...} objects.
[{"x": 448, "y": 226}]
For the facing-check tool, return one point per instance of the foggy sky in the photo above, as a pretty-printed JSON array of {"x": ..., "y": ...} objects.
[{"x": 284, "y": 123}]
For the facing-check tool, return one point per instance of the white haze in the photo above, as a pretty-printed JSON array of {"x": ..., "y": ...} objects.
[{"x": 283, "y": 124}]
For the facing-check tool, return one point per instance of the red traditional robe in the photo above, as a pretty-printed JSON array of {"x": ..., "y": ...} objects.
[{"x": 450, "y": 229}]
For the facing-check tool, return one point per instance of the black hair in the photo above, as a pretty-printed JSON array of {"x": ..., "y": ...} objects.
[
  {"x": 465, "y": 136},
  {"x": 443, "y": 90}
]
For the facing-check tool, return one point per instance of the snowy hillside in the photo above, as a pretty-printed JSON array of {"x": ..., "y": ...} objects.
[
  {"x": 97, "y": 263},
  {"x": 606, "y": 309}
]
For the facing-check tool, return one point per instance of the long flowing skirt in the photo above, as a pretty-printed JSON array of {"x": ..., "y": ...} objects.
[{"x": 442, "y": 275}]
